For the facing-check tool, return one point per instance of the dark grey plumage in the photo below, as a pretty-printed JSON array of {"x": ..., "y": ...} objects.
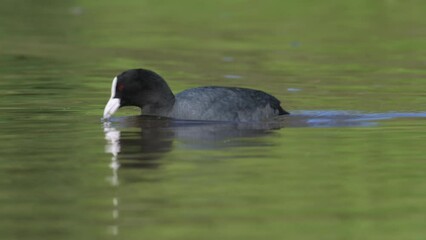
[{"x": 225, "y": 104}]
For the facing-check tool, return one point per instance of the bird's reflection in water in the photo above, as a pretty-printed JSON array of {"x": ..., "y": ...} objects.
[{"x": 139, "y": 141}]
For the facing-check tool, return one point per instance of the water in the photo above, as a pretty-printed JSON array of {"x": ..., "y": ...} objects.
[{"x": 347, "y": 164}]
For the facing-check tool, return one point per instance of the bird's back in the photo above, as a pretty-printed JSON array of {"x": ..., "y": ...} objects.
[{"x": 225, "y": 104}]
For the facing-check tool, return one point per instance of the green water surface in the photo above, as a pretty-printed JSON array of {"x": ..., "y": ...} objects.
[{"x": 62, "y": 177}]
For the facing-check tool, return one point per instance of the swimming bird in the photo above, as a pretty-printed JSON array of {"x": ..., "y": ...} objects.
[{"x": 149, "y": 91}]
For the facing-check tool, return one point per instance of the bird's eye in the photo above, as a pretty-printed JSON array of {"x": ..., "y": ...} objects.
[{"x": 120, "y": 87}]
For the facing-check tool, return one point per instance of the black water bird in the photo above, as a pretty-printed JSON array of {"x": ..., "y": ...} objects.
[{"x": 150, "y": 92}]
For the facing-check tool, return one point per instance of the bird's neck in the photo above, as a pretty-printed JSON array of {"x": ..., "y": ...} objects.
[{"x": 162, "y": 107}]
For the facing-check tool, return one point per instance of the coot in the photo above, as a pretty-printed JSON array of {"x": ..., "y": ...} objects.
[{"x": 148, "y": 91}]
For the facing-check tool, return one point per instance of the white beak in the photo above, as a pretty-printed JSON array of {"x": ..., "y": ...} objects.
[
  {"x": 113, "y": 103},
  {"x": 111, "y": 107}
]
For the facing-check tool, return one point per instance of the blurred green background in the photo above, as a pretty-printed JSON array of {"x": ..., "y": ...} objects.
[{"x": 57, "y": 60}]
